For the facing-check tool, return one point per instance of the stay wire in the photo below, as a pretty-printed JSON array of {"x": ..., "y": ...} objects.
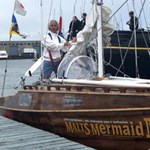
[
  {"x": 125, "y": 55},
  {"x": 135, "y": 37}
]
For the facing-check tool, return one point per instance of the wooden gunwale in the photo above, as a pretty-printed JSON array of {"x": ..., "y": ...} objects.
[
  {"x": 91, "y": 88},
  {"x": 79, "y": 110}
]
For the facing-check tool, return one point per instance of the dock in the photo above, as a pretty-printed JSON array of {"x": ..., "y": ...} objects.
[{"x": 18, "y": 136}]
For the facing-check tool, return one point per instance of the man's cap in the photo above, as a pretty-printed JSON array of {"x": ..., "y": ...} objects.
[
  {"x": 131, "y": 12},
  {"x": 84, "y": 14}
]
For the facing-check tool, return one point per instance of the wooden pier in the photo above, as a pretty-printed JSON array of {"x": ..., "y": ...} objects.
[{"x": 18, "y": 136}]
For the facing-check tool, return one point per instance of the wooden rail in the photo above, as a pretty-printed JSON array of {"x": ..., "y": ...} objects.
[{"x": 73, "y": 87}]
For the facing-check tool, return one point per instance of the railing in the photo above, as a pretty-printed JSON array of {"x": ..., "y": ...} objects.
[{"x": 82, "y": 88}]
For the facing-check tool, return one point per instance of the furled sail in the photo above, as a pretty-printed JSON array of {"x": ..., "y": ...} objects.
[
  {"x": 89, "y": 32},
  {"x": 85, "y": 45}
]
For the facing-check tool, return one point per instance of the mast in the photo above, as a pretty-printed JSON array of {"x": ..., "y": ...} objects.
[
  {"x": 135, "y": 43},
  {"x": 99, "y": 37},
  {"x": 41, "y": 7}
]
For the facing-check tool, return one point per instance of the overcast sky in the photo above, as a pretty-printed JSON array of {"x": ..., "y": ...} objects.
[{"x": 31, "y": 23}]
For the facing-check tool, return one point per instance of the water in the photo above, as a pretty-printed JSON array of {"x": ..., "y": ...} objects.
[{"x": 15, "y": 70}]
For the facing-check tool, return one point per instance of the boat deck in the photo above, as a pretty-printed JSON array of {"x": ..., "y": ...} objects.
[{"x": 18, "y": 136}]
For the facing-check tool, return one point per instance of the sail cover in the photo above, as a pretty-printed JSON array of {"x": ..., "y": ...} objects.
[{"x": 78, "y": 62}]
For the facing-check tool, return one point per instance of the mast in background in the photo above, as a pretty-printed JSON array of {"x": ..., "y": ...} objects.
[{"x": 41, "y": 6}]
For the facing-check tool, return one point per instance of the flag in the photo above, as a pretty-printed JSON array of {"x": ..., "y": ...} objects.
[
  {"x": 19, "y": 9},
  {"x": 14, "y": 29},
  {"x": 60, "y": 25}
]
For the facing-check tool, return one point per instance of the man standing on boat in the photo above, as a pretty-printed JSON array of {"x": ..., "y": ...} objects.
[
  {"x": 53, "y": 45},
  {"x": 74, "y": 28},
  {"x": 83, "y": 21},
  {"x": 133, "y": 22}
]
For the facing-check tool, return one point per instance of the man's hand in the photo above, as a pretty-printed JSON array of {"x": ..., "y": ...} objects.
[{"x": 66, "y": 43}]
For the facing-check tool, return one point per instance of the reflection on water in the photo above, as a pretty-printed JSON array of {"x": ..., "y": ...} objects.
[{"x": 14, "y": 71}]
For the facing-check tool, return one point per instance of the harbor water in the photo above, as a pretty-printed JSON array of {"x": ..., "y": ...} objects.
[{"x": 12, "y": 71}]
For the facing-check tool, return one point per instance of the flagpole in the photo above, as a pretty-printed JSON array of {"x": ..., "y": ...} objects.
[
  {"x": 6, "y": 64},
  {"x": 5, "y": 72},
  {"x": 14, "y": 6},
  {"x": 18, "y": 8}
]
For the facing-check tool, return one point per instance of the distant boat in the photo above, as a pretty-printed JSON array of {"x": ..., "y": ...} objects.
[
  {"x": 3, "y": 54},
  {"x": 35, "y": 56}
]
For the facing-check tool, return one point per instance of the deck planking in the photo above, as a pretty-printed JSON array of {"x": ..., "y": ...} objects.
[{"x": 18, "y": 136}]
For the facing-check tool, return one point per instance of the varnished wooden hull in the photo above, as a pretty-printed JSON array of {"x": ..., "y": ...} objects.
[
  {"x": 103, "y": 120},
  {"x": 91, "y": 129}
]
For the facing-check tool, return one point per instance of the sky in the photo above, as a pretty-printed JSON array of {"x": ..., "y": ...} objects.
[{"x": 34, "y": 24}]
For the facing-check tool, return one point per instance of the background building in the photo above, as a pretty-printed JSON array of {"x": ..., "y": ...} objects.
[{"x": 21, "y": 49}]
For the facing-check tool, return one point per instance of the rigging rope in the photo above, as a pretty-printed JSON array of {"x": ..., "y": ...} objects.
[
  {"x": 146, "y": 28},
  {"x": 136, "y": 60},
  {"x": 74, "y": 8},
  {"x": 117, "y": 10},
  {"x": 41, "y": 4},
  {"x": 83, "y": 6},
  {"x": 49, "y": 14},
  {"x": 133, "y": 35}
]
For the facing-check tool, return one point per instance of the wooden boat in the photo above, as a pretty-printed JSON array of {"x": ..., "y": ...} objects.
[
  {"x": 99, "y": 116},
  {"x": 103, "y": 112}
]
